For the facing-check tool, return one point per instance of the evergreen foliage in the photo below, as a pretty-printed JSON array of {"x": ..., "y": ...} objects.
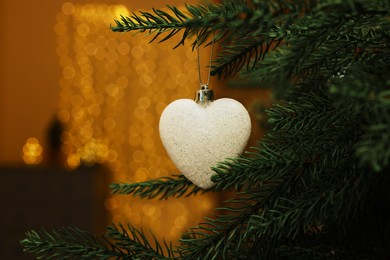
[{"x": 316, "y": 186}]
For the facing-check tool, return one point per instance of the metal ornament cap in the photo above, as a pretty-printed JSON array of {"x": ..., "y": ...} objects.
[{"x": 204, "y": 94}]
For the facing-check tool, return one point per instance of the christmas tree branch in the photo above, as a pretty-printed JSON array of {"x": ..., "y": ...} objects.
[
  {"x": 327, "y": 202},
  {"x": 137, "y": 245},
  {"x": 118, "y": 242},
  {"x": 374, "y": 100},
  {"x": 301, "y": 132},
  {"x": 307, "y": 45},
  {"x": 246, "y": 32},
  {"x": 222, "y": 237},
  {"x": 163, "y": 188},
  {"x": 195, "y": 20},
  {"x": 245, "y": 52},
  {"x": 373, "y": 149},
  {"x": 69, "y": 243}
]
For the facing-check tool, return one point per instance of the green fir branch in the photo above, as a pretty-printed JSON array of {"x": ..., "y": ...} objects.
[
  {"x": 223, "y": 236},
  {"x": 227, "y": 23},
  {"x": 329, "y": 202},
  {"x": 300, "y": 132},
  {"x": 163, "y": 188},
  {"x": 320, "y": 44},
  {"x": 119, "y": 242},
  {"x": 356, "y": 83},
  {"x": 374, "y": 148},
  {"x": 245, "y": 52},
  {"x": 291, "y": 217},
  {"x": 195, "y": 20},
  {"x": 137, "y": 245},
  {"x": 70, "y": 243}
]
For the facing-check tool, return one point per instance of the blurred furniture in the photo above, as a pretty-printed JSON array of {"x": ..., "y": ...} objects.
[{"x": 37, "y": 198}]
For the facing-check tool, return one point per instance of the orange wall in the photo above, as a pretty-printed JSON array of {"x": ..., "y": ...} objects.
[{"x": 29, "y": 69}]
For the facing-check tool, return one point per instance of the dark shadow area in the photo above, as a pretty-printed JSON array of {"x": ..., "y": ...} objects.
[{"x": 34, "y": 198}]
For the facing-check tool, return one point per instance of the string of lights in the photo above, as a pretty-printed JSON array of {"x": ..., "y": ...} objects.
[{"x": 113, "y": 91}]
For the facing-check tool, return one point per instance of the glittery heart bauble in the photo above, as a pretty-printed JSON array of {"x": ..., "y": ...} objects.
[{"x": 199, "y": 135}]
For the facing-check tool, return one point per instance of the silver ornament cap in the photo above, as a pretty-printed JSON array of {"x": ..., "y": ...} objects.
[{"x": 204, "y": 94}]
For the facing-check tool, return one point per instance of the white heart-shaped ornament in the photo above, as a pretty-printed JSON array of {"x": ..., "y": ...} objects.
[{"x": 199, "y": 135}]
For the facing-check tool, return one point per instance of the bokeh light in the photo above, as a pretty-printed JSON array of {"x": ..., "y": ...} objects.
[
  {"x": 32, "y": 151},
  {"x": 113, "y": 89}
]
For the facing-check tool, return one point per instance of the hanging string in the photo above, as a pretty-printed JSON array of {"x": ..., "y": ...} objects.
[{"x": 210, "y": 61}]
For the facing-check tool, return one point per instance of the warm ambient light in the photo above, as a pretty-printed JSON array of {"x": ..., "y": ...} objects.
[
  {"x": 113, "y": 89},
  {"x": 32, "y": 151}
]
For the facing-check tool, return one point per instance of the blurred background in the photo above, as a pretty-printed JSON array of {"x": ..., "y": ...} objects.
[{"x": 79, "y": 109}]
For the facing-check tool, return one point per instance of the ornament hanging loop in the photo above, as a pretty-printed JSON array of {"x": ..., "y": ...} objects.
[{"x": 204, "y": 94}]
